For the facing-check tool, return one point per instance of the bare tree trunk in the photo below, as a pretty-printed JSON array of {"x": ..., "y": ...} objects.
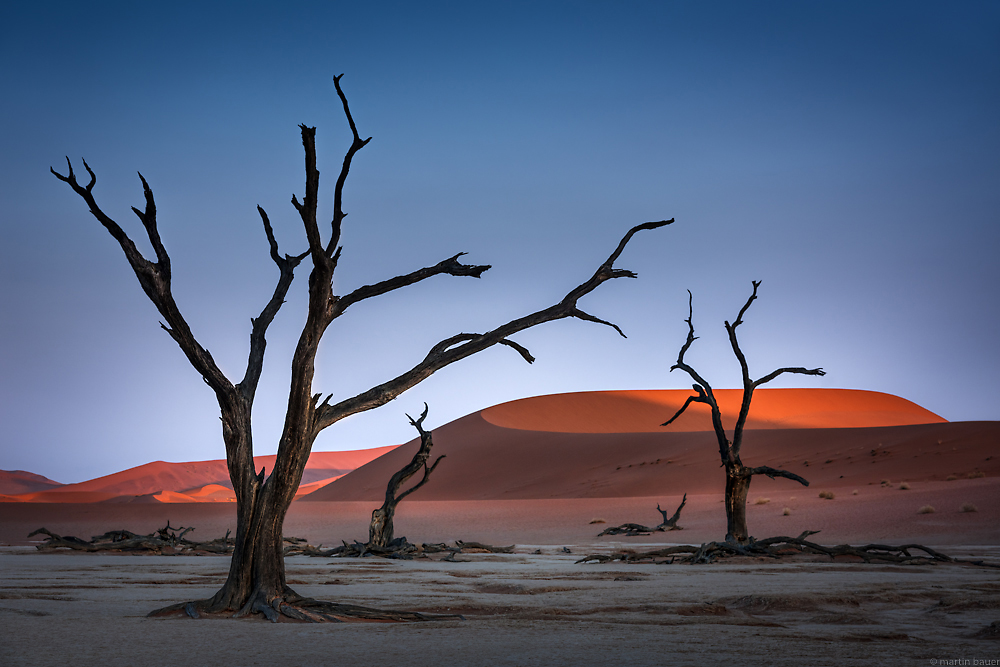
[
  {"x": 380, "y": 531},
  {"x": 737, "y": 488},
  {"x": 256, "y": 581},
  {"x": 738, "y": 476}
]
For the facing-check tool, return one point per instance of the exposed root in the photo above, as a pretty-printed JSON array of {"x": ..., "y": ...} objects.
[
  {"x": 777, "y": 547},
  {"x": 293, "y": 607},
  {"x": 633, "y": 529}
]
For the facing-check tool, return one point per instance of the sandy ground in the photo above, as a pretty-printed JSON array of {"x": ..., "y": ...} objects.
[
  {"x": 520, "y": 609},
  {"x": 524, "y": 608},
  {"x": 875, "y": 514}
]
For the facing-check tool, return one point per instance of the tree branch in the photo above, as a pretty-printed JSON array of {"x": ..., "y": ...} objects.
[
  {"x": 748, "y": 386},
  {"x": 700, "y": 398},
  {"x": 459, "y": 347},
  {"x": 704, "y": 389},
  {"x": 307, "y": 209},
  {"x": 775, "y": 472},
  {"x": 800, "y": 371},
  {"x": 154, "y": 278},
  {"x": 258, "y": 343},
  {"x": 450, "y": 266},
  {"x": 148, "y": 218},
  {"x": 419, "y": 460},
  {"x": 338, "y": 192}
]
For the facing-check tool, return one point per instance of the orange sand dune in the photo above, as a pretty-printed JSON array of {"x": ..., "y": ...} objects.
[
  {"x": 485, "y": 461},
  {"x": 212, "y": 493},
  {"x": 159, "y": 478},
  {"x": 644, "y": 411},
  {"x": 13, "y": 482}
]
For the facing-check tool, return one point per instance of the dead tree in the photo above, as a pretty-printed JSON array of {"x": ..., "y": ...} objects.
[
  {"x": 256, "y": 581},
  {"x": 738, "y": 476},
  {"x": 380, "y": 532}
]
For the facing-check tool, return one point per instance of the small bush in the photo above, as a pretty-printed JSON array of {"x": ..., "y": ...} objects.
[
  {"x": 762, "y": 501},
  {"x": 854, "y": 492},
  {"x": 950, "y": 478},
  {"x": 968, "y": 507},
  {"x": 786, "y": 511},
  {"x": 904, "y": 487},
  {"x": 976, "y": 475},
  {"x": 598, "y": 521},
  {"x": 886, "y": 482},
  {"x": 828, "y": 495},
  {"x": 926, "y": 509}
]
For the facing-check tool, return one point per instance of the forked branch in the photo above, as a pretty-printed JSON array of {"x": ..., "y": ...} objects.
[
  {"x": 748, "y": 384},
  {"x": 357, "y": 144},
  {"x": 463, "y": 345},
  {"x": 420, "y": 459}
]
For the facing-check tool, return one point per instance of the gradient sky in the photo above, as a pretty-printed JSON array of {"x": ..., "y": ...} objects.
[{"x": 846, "y": 154}]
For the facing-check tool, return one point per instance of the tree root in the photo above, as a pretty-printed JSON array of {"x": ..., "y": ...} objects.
[
  {"x": 633, "y": 529},
  {"x": 294, "y": 607},
  {"x": 777, "y": 547}
]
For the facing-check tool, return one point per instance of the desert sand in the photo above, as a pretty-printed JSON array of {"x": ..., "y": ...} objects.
[
  {"x": 519, "y": 609},
  {"x": 548, "y": 474}
]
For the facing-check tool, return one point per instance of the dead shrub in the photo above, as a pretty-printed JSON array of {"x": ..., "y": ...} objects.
[
  {"x": 904, "y": 487},
  {"x": 854, "y": 492},
  {"x": 967, "y": 507},
  {"x": 926, "y": 509},
  {"x": 762, "y": 501},
  {"x": 598, "y": 521},
  {"x": 976, "y": 475},
  {"x": 828, "y": 495},
  {"x": 787, "y": 511},
  {"x": 950, "y": 478}
]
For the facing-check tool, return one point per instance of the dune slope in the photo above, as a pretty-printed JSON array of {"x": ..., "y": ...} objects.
[{"x": 170, "y": 482}]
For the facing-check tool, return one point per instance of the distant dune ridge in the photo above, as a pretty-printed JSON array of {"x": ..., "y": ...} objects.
[
  {"x": 13, "y": 482},
  {"x": 199, "y": 481},
  {"x": 607, "y": 444}
]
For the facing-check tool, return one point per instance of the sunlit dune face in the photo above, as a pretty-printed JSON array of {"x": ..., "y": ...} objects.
[{"x": 644, "y": 411}]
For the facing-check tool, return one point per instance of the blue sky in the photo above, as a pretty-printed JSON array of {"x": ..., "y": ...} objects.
[{"x": 846, "y": 154}]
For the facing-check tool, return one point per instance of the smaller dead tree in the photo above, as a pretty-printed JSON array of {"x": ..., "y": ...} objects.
[
  {"x": 380, "y": 532},
  {"x": 633, "y": 529},
  {"x": 738, "y": 476}
]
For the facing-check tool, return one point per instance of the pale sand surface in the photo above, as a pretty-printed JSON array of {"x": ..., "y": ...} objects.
[{"x": 520, "y": 609}]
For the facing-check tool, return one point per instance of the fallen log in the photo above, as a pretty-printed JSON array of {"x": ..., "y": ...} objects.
[
  {"x": 402, "y": 549},
  {"x": 779, "y": 547},
  {"x": 167, "y": 538},
  {"x": 633, "y": 529}
]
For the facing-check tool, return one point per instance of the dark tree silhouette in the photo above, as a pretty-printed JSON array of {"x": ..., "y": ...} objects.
[
  {"x": 256, "y": 581},
  {"x": 381, "y": 531},
  {"x": 738, "y": 476}
]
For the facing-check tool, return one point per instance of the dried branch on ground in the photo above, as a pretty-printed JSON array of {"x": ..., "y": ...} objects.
[{"x": 633, "y": 529}]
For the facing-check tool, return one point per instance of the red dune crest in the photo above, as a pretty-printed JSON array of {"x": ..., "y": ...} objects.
[{"x": 643, "y": 411}]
